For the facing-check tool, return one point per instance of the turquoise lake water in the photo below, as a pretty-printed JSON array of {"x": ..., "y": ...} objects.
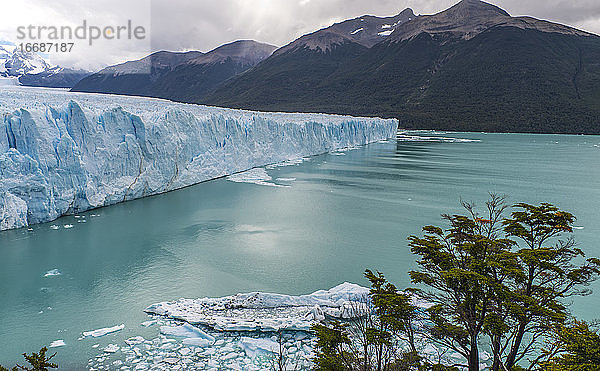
[{"x": 341, "y": 214}]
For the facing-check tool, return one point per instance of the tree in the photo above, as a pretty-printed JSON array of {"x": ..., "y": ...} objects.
[
  {"x": 550, "y": 270},
  {"x": 380, "y": 334},
  {"x": 501, "y": 278},
  {"x": 362, "y": 319},
  {"x": 395, "y": 320},
  {"x": 576, "y": 348},
  {"x": 282, "y": 360},
  {"x": 463, "y": 267},
  {"x": 38, "y": 361},
  {"x": 332, "y": 348},
  {"x": 507, "y": 280}
]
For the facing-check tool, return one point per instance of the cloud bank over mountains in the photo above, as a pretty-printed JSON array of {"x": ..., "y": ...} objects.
[{"x": 181, "y": 25}]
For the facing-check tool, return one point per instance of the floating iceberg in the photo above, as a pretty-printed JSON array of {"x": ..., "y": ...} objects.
[
  {"x": 63, "y": 153},
  {"x": 111, "y": 348},
  {"x": 148, "y": 323},
  {"x": 103, "y": 331},
  {"x": 259, "y": 311},
  {"x": 52, "y": 273},
  {"x": 135, "y": 340},
  {"x": 57, "y": 343},
  {"x": 257, "y": 176}
]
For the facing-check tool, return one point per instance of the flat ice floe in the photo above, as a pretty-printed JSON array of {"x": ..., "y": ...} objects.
[
  {"x": 103, "y": 331},
  {"x": 57, "y": 343},
  {"x": 259, "y": 311},
  {"x": 186, "y": 331},
  {"x": 111, "y": 348},
  {"x": 292, "y": 162},
  {"x": 52, "y": 273},
  {"x": 228, "y": 352},
  {"x": 257, "y": 176},
  {"x": 62, "y": 153},
  {"x": 412, "y": 137}
]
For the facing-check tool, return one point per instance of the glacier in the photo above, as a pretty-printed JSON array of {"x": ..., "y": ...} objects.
[{"x": 62, "y": 153}]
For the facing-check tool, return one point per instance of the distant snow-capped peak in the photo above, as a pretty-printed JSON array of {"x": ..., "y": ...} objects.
[{"x": 16, "y": 63}]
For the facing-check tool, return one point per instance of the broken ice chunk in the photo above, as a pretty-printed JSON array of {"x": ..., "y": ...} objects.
[
  {"x": 196, "y": 342},
  {"x": 135, "y": 340},
  {"x": 111, "y": 348},
  {"x": 52, "y": 273},
  {"x": 57, "y": 343},
  {"x": 103, "y": 331},
  {"x": 186, "y": 330},
  {"x": 253, "y": 346}
]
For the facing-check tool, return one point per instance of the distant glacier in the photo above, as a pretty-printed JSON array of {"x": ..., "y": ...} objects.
[{"x": 62, "y": 153}]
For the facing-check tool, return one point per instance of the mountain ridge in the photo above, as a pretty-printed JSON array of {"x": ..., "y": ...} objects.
[
  {"x": 471, "y": 17},
  {"x": 472, "y": 67},
  {"x": 366, "y": 30},
  {"x": 176, "y": 75}
]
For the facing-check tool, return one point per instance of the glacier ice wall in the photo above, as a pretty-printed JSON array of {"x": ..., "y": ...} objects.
[{"x": 63, "y": 153}]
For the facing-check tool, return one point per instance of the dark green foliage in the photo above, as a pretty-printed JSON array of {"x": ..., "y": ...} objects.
[
  {"x": 291, "y": 80},
  {"x": 395, "y": 318},
  {"x": 37, "y": 361},
  {"x": 577, "y": 348},
  {"x": 504, "y": 79},
  {"x": 485, "y": 285},
  {"x": 331, "y": 349},
  {"x": 550, "y": 270},
  {"x": 463, "y": 265},
  {"x": 383, "y": 333},
  {"x": 507, "y": 281},
  {"x": 393, "y": 308},
  {"x": 481, "y": 284}
]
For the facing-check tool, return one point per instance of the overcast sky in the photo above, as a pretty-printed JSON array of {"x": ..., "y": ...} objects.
[{"x": 206, "y": 24}]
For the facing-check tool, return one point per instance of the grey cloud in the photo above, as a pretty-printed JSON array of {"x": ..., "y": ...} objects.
[{"x": 206, "y": 24}]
